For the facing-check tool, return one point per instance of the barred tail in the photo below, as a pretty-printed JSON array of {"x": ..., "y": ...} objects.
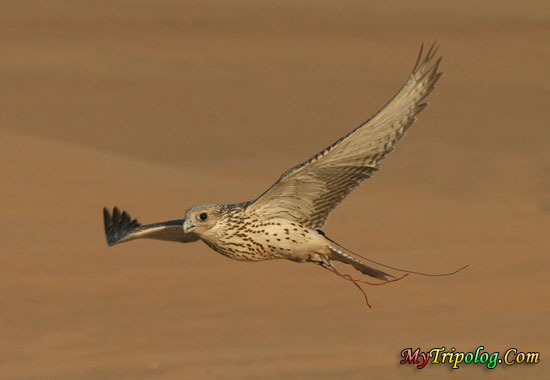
[{"x": 338, "y": 253}]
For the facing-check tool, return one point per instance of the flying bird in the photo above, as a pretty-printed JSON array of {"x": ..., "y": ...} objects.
[{"x": 286, "y": 221}]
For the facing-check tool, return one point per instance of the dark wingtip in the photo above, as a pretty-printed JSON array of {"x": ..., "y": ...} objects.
[
  {"x": 117, "y": 225},
  {"x": 422, "y": 59},
  {"x": 107, "y": 224}
]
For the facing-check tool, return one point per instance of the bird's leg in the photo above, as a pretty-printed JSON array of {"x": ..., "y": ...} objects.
[
  {"x": 367, "y": 282},
  {"x": 324, "y": 262},
  {"x": 328, "y": 266},
  {"x": 318, "y": 258}
]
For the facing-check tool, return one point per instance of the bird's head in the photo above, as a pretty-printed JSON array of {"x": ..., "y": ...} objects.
[{"x": 201, "y": 219}]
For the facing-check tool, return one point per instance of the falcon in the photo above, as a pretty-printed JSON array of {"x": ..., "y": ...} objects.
[{"x": 286, "y": 221}]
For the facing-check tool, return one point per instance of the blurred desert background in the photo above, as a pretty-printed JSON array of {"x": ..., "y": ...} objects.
[{"x": 155, "y": 106}]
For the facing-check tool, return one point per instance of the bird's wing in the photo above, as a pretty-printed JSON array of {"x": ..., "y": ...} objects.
[
  {"x": 120, "y": 228},
  {"x": 308, "y": 192}
]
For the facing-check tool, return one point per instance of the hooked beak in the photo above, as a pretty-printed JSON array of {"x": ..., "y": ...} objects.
[{"x": 188, "y": 226}]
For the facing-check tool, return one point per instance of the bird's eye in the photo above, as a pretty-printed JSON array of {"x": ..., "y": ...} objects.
[{"x": 203, "y": 216}]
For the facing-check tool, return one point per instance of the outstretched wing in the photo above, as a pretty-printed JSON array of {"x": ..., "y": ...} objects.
[
  {"x": 120, "y": 228},
  {"x": 308, "y": 192}
]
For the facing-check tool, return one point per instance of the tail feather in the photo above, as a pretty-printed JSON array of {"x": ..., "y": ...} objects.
[{"x": 338, "y": 253}]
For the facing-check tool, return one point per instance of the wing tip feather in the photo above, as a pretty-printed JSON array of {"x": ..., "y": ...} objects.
[
  {"x": 117, "y": 225},
  {"x": 422, "y": 59}
]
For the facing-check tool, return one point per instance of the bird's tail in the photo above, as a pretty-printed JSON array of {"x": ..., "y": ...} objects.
[{"x": 339, "y": 253}]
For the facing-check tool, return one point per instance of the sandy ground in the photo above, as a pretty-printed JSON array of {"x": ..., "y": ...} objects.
[{"x": 156, "y": 106}]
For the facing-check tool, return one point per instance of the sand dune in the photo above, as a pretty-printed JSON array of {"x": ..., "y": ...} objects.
[{"x": 159, "y": 106}]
